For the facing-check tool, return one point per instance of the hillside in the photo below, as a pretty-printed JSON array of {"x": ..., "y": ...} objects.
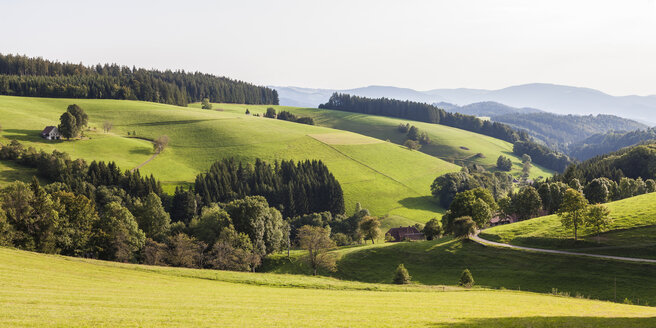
[
  {"x": 558, "y": 131},
  {"x": 631, "y": 234},
  {"x": 441, "y": 261},
  {"x": 447, "y": 143},
  {"x": 603, "y": 143},
  {"x": 486, "y": 109},
  {"x": 370, "y": 171},
  {"x": 94, "y": 293}
]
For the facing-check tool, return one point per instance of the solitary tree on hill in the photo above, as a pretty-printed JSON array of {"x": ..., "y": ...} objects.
[
  {"x": 572, "y": 212},
  {"x": 205, "y": 104},
  {"x": 81, "y": 117},
  {"x": 598, "y": 218},
  {"x": 466, "y": 279},
  {"x": 68, "y": 126},
  {"x": 370, "y": 228},
  {"x": 316, "y": 240},
  {"x": 160, "y": 143},
  {"x": 402, "y": 276}
]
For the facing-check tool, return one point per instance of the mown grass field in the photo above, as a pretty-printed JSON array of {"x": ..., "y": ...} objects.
[
  {"x": 631, "y": 234},
  {"x": 450, "y": 144},
  {"x": 440, "y": 262},
  {"x": 53, "y": 291},
  {"x": 386, "y": 178}
]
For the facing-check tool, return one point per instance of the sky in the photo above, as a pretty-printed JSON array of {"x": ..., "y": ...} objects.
[{"x": 605, "y": 45}]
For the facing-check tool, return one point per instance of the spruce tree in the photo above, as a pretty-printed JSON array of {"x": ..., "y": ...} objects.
[{"x": 466, "y": 279}]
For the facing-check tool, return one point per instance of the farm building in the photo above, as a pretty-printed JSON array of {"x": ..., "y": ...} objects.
[
  {"x": 51, "y": 133},
  {"x": 405, "y": 233}
]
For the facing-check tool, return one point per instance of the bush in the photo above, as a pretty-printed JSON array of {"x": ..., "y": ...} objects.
[
  {"x": 412, "y": 145},
  {"x": 341, "y": 239},
  {"x": 463, "y": 227},
  {"x": 402, "y": 277},
  {"x": 466, "y": 279},
  {"x": 504, "y": 163}
]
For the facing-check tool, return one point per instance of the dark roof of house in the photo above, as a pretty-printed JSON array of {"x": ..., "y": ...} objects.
[
  {"x": 48, "y": 129},
  {"x": 404, "y": 230}
]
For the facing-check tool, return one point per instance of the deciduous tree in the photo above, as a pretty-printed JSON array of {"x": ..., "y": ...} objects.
[
  {"x": 68, "y": 126},
  {"x": 572, "y": 212},
  {"x": 370, "y": 228},
  {"x": 317, "y": 242}
]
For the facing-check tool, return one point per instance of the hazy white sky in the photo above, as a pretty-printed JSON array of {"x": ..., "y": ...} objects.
[{"x": 607, "y": 45}]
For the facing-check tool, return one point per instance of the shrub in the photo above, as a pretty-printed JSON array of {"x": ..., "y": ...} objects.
[
  {"x": 466, "y": 279},
  {"x": 402, "y": 277},
  {"x": 412, "y": 145}
]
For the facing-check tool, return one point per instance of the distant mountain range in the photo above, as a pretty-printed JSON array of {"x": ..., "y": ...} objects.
[{"x": 552, "y": 98}]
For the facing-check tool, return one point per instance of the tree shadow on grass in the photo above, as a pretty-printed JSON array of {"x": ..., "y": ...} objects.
[
  {"x": 171, "y": 122},
  {"x": 551, "y": 322},
  {"x": 28, "y": 135},
  {"x": 426, "y": 203}
]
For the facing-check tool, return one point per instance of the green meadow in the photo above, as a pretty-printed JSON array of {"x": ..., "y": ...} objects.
[
  {"x": 386, "y": 178},
  {"x": 440, "y": 262},
  {"x": 447, "y": 143},
  {"x": 631, "y": 234},
  {"x": 55, "y": 291}
]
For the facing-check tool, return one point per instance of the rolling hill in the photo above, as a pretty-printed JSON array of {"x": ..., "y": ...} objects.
[
  {"x": 79, "y": 292},
  {"x": 447, "y": 143},
  {"x": 371, "y": 171},
  {"x": 630, "y": 235}
]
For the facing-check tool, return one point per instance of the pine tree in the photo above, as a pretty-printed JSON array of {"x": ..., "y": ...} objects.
[{"x": 466, "y": 279}]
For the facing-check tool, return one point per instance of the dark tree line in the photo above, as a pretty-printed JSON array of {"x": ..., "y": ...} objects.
[
  {"x": 422, "y": 112},
  {"x": 542, "y": 155},
  {"x": 287, "y": 116},
  {"x": 600, "y": 144},
  {"x": 559, "y": 131},
  {"x": 296, "y": 188},
  {"x": 634, "y": 162},
  {"x": 431, "y": 114},
  {"x": 36, "y": 77}
]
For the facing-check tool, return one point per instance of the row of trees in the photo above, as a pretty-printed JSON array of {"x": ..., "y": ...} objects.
[
  {"x": 542, "y": 155},
  {"x": 98, "y": 211},
  {"x": 632, "y": 162},
  {"x": 422, "y": 112},
  {"x": 295, "y": 188},
  {"x": 36, "y": 77}
]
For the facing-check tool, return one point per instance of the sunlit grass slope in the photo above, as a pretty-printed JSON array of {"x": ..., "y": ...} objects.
[
  {"x": 52, "y": 291},
  {"x": 451, "y": 144},
  {"x": 632, "y": 233},
  {"x": 386, "y": 178}
]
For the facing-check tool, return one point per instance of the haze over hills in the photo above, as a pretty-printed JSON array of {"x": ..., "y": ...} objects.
[{"x": 559, "y": 99}]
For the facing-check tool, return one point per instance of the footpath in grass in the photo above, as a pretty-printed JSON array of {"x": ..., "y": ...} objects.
[
  {"x": 53, "y": 291},
  {"x": 630, "y": 235},
  {"x": 440, "y": 262}
]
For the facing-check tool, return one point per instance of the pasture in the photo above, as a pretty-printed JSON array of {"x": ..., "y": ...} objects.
[
  {"x": 447, "y": 143},
  {"x": 384, "y": 177},
  {"x": 631, "y": 234},
  {"x": 54, "y": 291}
]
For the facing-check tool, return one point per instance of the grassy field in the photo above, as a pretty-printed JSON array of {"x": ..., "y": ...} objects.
[
  {"x": 441, "y": 262},
  {"x": 450, "y": 144},
  {"x": 631, "y": 234},
  {"x": 384, "y": 177},
  {"x": 53, "y": 291}
]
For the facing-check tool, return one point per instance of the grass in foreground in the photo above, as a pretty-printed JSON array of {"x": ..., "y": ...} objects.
[
  {"x": 53, "y": 291},
  {"x": 631, "y": 234},
  {"x": 384, "y": 177}
]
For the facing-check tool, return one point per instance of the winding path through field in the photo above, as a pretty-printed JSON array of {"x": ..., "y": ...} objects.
[
  {"x": 146, "y": 162},
  {"x": 484, "y": 242}
]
